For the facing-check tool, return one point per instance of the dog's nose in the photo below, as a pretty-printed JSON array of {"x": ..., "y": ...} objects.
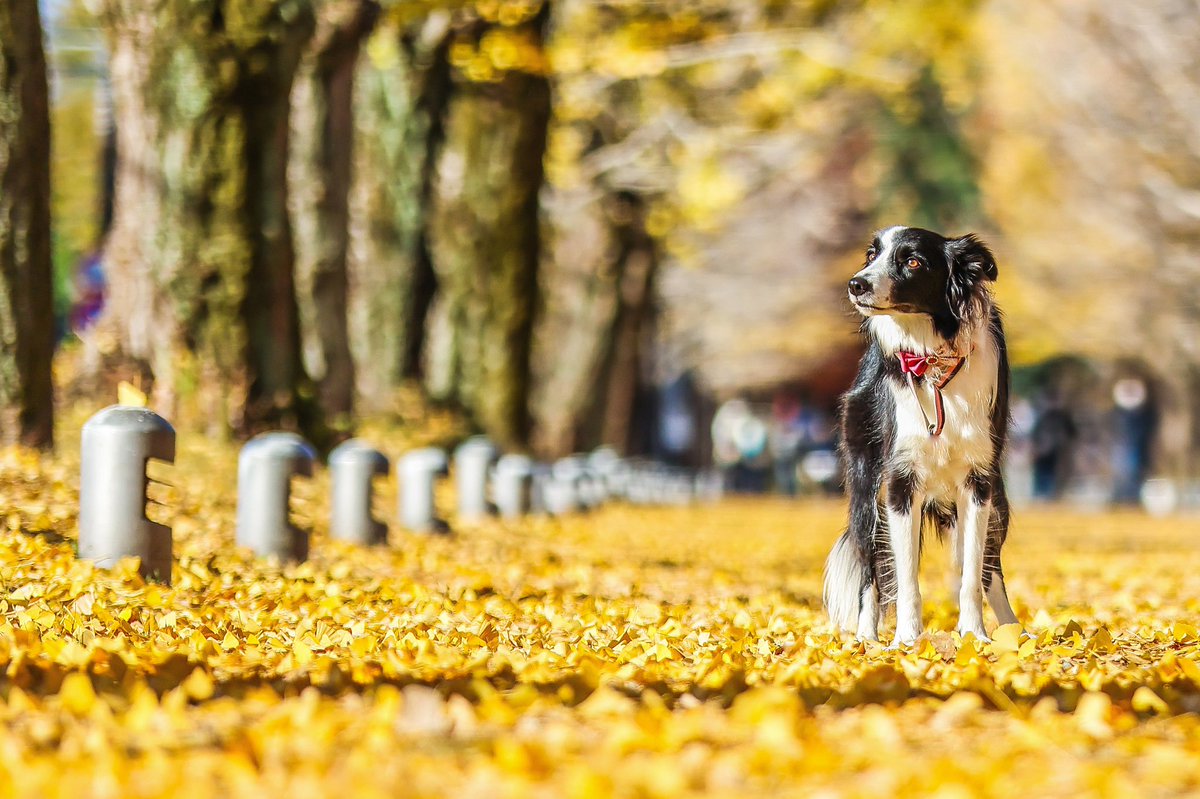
[{"x": 859, "y": 286}]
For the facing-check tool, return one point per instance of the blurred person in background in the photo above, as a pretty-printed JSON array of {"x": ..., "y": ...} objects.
[
  {"x": 1051, "y": 440},
  {"x": 740, "y": 447},
  {"x": 1134, "y": 422},
  {"x": 724, "y": 446},
  {"x": 819, "y": 469},
  {"x": 88, "y": 294},
  {"x": 786, "y": 438},
  {"x": 754, "y": 461},
  {"x": 1019, "y": 456},
  {"x": 677, "y": 411}
]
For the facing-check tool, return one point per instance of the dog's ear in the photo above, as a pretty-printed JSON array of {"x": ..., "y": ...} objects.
[{"x": 970, "y": 259}]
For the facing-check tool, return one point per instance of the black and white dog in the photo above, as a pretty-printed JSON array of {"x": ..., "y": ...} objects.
[{"x": 923, "y": 430}]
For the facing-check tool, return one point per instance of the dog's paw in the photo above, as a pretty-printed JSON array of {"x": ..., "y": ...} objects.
[
  {"x": 906, "y": 637},
  {"x": 867, "y": 632},
  {"x": 976, "y": 630},
  {"x": 903, "y": 643}
]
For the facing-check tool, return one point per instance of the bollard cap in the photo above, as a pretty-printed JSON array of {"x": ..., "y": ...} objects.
[
  {"x": 281, "y": 447},
  {"x": 357, "y": 451},
  {"x": 474, "y": 444},
  {"x": 421, "y": 460},
  {"x": 515, "y": 465},
  {"x": 139, "y": 422},
  {"x": 604, "y": 460},
  {"x": 569, "y": 468}
]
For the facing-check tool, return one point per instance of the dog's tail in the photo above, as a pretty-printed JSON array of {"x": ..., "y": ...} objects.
[{"x": 845, "y": 574}]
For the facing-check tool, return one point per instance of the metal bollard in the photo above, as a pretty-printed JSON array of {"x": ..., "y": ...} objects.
[
  {"x": 418, "y": 471},
  {"x": 117, "y": 442},
  {"x": 511, "y": 485},
  {"x": 472, "y": 460},
  {"x": 266, "y": 466},
  {"x": 605, "y": 466},
  {"x": 710, "y": 485},
  {"x": 352, "y": 466},
  {"x": 537, "y": 488},
  {"x": 640, "y": 487},
  {"x": 561, "y": 491}
]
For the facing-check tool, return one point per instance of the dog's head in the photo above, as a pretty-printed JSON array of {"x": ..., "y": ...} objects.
[{"x": 914, "y": 271}]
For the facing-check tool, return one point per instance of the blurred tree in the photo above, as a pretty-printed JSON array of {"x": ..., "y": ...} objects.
[
  {"x": 1093, "y": 173},
  {"x": 931, "y": 168},
  {"x": 200, "y": 257},
  {"x": 26, "y": 301},
  {"x": 484, "y": 226},
  {"x": 320, "y": 176},
  {"x": 759, "y": 138},
  {"x": 402, "y": 88},
  {"x": 599, "y": 326}
]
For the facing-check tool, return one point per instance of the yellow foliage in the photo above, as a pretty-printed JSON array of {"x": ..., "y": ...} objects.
[
  {"x": 128, "y": 394},
  {"x": 631, "y": 652}
]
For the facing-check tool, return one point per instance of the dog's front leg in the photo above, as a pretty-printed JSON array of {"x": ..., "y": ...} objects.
[
  {"x": 974, "y": 509},
  {"x": 905, "y": 502}
]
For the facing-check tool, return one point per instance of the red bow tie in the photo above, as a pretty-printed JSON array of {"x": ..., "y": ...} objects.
[{"x": 913, "y": 364}]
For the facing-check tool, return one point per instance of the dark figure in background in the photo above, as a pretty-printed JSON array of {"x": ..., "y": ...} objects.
[
  {"x": 1053, "y": 433},
  {"x": 89, "y": 293},
  {"x": 675, "y": 438},
  {"x": 786, "y": 439},
  {"x": 1134, "y": 424}
]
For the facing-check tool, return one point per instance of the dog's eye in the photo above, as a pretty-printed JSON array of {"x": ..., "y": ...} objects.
[
  {"x": 870, "y": 254},
  {"x": 913, "y": 263}
]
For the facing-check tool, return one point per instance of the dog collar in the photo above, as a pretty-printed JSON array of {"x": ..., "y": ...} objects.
[{"x": 942, "y": 367}]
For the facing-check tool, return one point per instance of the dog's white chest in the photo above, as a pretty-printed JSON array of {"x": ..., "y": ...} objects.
[{"x": 941, "y": 463}]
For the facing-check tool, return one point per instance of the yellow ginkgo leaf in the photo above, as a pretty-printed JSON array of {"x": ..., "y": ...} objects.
[
  {"x": 131, "y": 395},
  {"x": 77, "y": 694}
]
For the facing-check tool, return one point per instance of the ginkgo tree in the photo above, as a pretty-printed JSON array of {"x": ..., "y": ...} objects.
[
  {"x": 1091, "y": 173},
  {"x": 761, "y": 141}
]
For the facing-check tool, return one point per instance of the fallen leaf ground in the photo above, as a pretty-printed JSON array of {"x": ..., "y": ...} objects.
[{"x": 630, "y": 652}]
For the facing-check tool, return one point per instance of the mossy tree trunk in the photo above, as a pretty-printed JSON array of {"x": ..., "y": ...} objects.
[
  {"x": 486, "y": 246},
  {"x": 401, "y": 92},
  {"x": 200, "y": 256},
  {"x": 320, "y": 169},
  {"x": 26, "y": 302}
]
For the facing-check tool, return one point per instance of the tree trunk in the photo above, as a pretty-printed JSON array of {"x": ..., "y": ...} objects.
[
  {"x": 402, "y": 88},
  {"x": 26, "y": 302},
  {"x": 486, "y": 246},
  {"x": 200, "y": 256},
  {"x": 591, "y": 342},
  {"x": 319, "y": 175},
  {"x": 632, "y": 331}
]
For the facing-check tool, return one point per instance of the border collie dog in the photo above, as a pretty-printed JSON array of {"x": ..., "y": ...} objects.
[{"x": 922, "y": 434}]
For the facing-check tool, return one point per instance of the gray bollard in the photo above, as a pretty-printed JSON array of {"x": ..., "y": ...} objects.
[
  {"x": 266, "y": 466},
  {"x": 537, "y": 488},
  {"x": 592, "y": 493},
  {"x": 616, "y": 479},
  {"x": 418, "y": 472},
  {"x": 352, "y": 466},
  {"x": 472, "y": 460},
  {"x": 641, "y": 485},
  {"x": 710, "y": 485},
  {"x": 117, "y": 442},
  {"x": 511, "y": 485},
  {"x": 561, "y": 492},
  {"x": 682, "y": 489},
  {"x": 607, "y": 470}
]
